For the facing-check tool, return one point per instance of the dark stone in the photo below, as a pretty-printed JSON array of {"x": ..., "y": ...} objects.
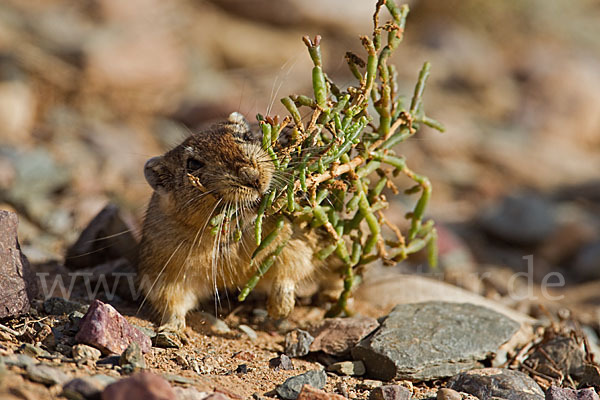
[
  {"x": 106, "y": 238},
  {"x": 297, "y": 343},
  {"x": 60, "y": 306},
  {"x": 560, "y": 352},
  {"x": 242, "y": 369},
  {"x": 523, "y": 219},
  {"x": 390, "y": 392},
  {"x": 133, "y": 357},
  {"x": 337, "y": 336},
  {"x": 497, "y": 383},
  {"x": 290, "y": 389},
  {"x": 558, "y": 393},
  {"x": 282, "y": 362},
  {"x": 17, "y": 286},
  {"x": 431, "y": 340},
  {"x": 104, "y": 328},
  {"x": 141, "y": 386},
  {"x": 591, "y": 377}
]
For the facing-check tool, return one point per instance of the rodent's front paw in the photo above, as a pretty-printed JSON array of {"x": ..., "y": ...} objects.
[{"x": 281, "y": 299}]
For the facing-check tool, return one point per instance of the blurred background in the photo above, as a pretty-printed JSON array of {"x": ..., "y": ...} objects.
[{"x": 90, "y": 89}]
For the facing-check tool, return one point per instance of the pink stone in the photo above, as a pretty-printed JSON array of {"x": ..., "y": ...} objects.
[
  {"x": 104, "y": 328},
  {"x": 141, "y": 386}
]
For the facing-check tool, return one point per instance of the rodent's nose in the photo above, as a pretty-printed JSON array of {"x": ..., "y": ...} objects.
[{"x": 250, "y": 177}]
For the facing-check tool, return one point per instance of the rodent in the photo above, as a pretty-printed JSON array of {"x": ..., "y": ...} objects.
[{"x": 180, "y": 262}]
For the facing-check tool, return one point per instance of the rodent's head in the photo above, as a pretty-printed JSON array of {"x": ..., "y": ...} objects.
[{"x": 224, "y": 164}]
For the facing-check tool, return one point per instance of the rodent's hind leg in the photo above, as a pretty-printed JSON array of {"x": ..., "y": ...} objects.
[{"x": 281, "y": 298}]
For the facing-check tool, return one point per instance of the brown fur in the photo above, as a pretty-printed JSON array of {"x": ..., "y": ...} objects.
[{"x": 180, "y": 262}]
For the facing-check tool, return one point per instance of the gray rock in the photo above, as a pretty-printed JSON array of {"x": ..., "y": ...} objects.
[
  {"x": 60, "y": 306},
  {"x": 167, "y": 340},
  {"x": 17, "y": 286},
  {"x": 33, "y": 351},
  {"x": 432, "y": 340},
  {"x": 390, "y": 392},
  {"x": 350, "y": 368},
  {"x": 133, "y": 357},
  {"x": 558, "y": 393},
  {"x": 523, "y": 219},
  {"x": 282, "y": 362},
  {"x": 46, "y": 374},
  {"x": 107, "y": 238},
  {"x": 85, "y": 352},
  {"x": 497, "y": 383},
  {"x": 297, "y": 343},
  {"x": 249, "y": 332},
  {"x": 19, "y": 360},
  {"x": 290, "y": 389}
]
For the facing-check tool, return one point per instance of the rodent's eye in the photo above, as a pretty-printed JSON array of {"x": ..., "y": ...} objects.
[{"x": 194, "y": 165}]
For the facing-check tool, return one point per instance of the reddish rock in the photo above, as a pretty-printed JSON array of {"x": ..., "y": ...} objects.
[
  {"x": 336, "y": 336},
  {"x": 17, "y": 286},
  {"x": 142, "y": 386},
  {"x": 104, "y": 328},
  {"x": 310, "y": 393},
  {"x": 390, "y": 392},
  {"x": 558, "y": 393}
]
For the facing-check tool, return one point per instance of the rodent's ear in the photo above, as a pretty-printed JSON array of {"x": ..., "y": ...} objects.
[
  {"x": 238, "y": 119},
  {"x": 154, "y": 172}
]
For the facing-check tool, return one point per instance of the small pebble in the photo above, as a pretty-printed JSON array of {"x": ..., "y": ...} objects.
[
  {"x": 290, "y": 389},
  {"x": 84, "y": 352},
  {"x": 310, "y": 393},
  {"x": 242, "y": 369},
  {"x": 390, "y": 392},
  {"x": 87, "y": 387},
  {"x": 167, "y": 340},
  {"x": 349, "y": 368},
  {"x": 33, "y": 351},
  {"x": 249, "y": 332},
  {"x": 133, "y": 357},
  {"x": 297, "y": 343},
  {"x": 282, "y": 362}
]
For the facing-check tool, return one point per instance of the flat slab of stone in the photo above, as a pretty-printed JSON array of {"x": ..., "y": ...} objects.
[
  {"x": 426, "y": 341},
  {"x": 17, "y": 283}
]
